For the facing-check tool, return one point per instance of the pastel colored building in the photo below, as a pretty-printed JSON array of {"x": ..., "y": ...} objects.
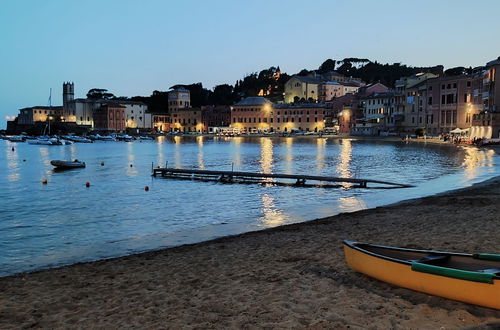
[
  {"x": 109, "y": 117},
  {"x": 257, "y": 114},
  {"x": 486, "y": 123},
  {"x": 302, "y": 88}
]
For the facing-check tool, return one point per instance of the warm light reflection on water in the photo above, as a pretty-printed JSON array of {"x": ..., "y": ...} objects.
[
  {"x": 201, "y": 162},
  {"x": 351, "y": 204},
  {"x": 131, "y": 168},
  {"x": 475, "y": 158},
  {"x": 288, "y": 166},
  {"x": 273, "y": 216},
  {"x": 67, "y": 222},
  {"x": 236, "y": 142},
  {"x": 344, "y": 166},
  {"x": 320, "y": 153}
]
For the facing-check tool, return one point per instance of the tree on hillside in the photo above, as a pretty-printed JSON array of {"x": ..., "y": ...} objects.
[
  {"x": 99, "y": 93},
  {"x": 222, "y": 95},
  {"x": 303, "y": 72},
  {"x": 327, "y": 66},
  {"x": 458, "y": 71}
]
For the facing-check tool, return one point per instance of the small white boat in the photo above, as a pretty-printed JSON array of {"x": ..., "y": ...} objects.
[
  {"x": 106, "y": 138},
  {"x": 67, "y": 164},
  {"x": 16, "y": 138},
  {"x": 78, "y": 139}
]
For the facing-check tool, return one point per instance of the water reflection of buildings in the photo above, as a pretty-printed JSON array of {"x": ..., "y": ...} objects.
[
  {"x": 272, "y": 215},
  {"x": 344, "y": 166},
  {"x": 289, "y": 155},
  {"x": 237, "y": 151},
  {"x": 266, "y": 156},
  {"x": 351, "y": 204},
  {"x": 475, "y": 158},
  {"x": 13, "y": 165},
  {"x": 320, "y": 153},
  {"x": 201, "y": 162},
  {"x": 131, "y": 169}
]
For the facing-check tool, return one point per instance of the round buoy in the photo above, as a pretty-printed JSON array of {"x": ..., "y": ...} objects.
[
  {"x": 13, "y": 149},
  {"x": 158, "y": 166},
  {"x": 131, "y": 165},
  {"x": 24, "y": 160},
  {"x": 44, "y": 180},
  {"x": 87, "y": 184},
  {"x": 102, "y": 163},
  {"x": 146, "y": 188}
]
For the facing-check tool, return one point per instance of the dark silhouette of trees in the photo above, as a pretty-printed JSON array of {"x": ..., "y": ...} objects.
[
  {"x": 99, "y": 93},
  {"x": 458, "y": 71},
  {"x": 327, "y": 66}
]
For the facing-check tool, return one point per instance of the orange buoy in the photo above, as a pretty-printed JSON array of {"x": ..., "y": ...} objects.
[
  {"x": 87, "y": 184},
  {"x": 44, "y": 180},
  {"x": 146, "y": 188}
]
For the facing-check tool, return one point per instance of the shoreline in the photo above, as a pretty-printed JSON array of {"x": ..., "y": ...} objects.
[{"x": 287, "y": 276}]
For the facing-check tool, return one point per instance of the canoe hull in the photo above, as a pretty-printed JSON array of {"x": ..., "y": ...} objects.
[{"x": 401, "y": 274}]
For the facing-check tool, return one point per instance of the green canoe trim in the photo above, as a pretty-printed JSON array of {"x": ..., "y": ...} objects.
[
  {"x": 487, "y": 256},
  {"x": 454, "y": 273}
]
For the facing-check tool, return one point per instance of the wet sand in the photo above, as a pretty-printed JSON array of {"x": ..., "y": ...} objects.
[{"x": 293, "y": 276}]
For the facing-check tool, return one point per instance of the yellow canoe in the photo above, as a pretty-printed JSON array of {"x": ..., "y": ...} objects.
[{"x": 470, "y": 278}]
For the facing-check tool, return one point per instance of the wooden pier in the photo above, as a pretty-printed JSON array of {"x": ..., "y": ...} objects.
[{"x": 271, "y": 178}]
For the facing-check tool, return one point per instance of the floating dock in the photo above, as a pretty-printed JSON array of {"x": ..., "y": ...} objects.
[{"x": 271, "y": 178}]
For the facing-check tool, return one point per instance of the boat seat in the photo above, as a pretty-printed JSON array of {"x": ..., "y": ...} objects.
[{"x": 433, "y": 259}]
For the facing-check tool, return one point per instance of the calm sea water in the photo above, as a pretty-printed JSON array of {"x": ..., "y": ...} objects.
[{"x": 64, "y": 222}]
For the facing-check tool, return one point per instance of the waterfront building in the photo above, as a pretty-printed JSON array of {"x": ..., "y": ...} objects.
[
  {"x": 215, "y": 116},
  {"x": 257, "y": 114},
  {"x": 330, "y": 90},
  {"x": 410, "y": 104},
  {"x": 341, "y": 113},
  {"x": 451, "y": 102},
  {"x": 377, "y": 110},
  {"x": 486, "y": 123},
  {"x": 187, "y": 120},
  {"x": 109, "y": 117},
  {"x": 31, "y": 115},
  {"x": 136, "y": 115},
  {"x": 81, "y": 111},
  {"x": 179, "y": 98}
]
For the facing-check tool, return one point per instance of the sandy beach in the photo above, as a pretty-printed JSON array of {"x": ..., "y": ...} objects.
[{"x": 293, "y": 276}]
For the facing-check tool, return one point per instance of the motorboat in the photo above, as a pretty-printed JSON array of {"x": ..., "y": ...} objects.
[
  {"x": 17, "y": 138},
  {"x": 77, "y": 139},
  {"x": 67, "y": 164},
  {"x": 125, "y": 137}
]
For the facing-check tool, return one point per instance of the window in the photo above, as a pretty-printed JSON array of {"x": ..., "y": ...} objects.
[
  {"x": 450, "y": 98},
  {"x": 449, "y": 86},
  {"x": 442, "y": 86},
  {"x": 454, "y": 85},
  {"x": 468, "y": 83},
  {"x": 430, "y": 88},
  {"x": 430, "y": 100}
]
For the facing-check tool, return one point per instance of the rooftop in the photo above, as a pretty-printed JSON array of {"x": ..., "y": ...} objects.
[{"x": 253, "y": 100}]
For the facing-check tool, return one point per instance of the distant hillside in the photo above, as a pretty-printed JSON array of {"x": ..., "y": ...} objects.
[{"x": 270, "y": 82}]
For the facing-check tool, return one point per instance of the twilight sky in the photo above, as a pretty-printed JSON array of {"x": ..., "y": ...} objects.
[{"x": 134, "y": 47}]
